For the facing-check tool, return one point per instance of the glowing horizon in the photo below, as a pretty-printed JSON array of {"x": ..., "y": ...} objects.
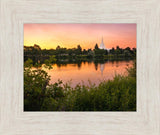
[{"x": 49, "y": 36}]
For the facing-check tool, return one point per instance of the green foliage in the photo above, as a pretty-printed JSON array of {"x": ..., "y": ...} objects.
[
  {"x": 99, "y": 53},
  {"x": 28, "y": 63},
  {"x": 39, "y": 55},
  {"x": 52, "y": 59},
  {"x": 35, "y": 83},
  {"x": 118, "y": 94},
  {"x": 132, "y": 70}
]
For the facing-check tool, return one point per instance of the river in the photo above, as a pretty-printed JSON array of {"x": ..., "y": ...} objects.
[{"x": 87, "y": 72}]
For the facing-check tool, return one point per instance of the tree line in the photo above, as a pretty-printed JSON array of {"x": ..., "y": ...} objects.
[{"x": 36, "y": 53}]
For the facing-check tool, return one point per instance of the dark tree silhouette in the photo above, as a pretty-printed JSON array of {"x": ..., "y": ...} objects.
[{"x": 96, "y": 47}]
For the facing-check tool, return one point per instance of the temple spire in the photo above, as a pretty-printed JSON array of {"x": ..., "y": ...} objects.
[{"x": 102, "y": 46}]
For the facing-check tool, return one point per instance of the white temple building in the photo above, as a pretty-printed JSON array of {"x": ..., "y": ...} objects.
[{"x": 102, "y": 46}]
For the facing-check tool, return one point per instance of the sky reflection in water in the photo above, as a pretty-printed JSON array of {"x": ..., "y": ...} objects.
[{"x": 86, "y": 72}]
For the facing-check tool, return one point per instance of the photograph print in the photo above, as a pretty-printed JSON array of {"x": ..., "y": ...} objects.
[{"x": 80, "y": 67}]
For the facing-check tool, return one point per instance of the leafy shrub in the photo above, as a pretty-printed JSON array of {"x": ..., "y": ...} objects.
[{"x": 118, "y": 94}]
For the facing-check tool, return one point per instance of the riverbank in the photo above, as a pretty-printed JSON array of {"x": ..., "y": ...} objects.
[{"x": 118, "y": 94}]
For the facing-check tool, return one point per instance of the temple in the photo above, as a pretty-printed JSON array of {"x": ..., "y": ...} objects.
[{"x": 102, "y": 46}]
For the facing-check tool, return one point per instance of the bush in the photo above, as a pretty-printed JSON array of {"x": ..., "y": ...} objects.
[{"x": 118, "y": 94}]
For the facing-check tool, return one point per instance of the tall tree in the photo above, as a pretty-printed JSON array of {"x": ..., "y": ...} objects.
[
  {"x": 112, "y": 51},
  {"x": 79, "y": 49},
  {"x": 96, "y": 47},
  {"x": 58, "y": 47}
]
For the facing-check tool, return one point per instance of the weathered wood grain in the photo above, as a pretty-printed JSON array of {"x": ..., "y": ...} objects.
[{"x": 14, "y": 13}]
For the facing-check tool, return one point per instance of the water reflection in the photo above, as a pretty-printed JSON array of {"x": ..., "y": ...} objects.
[
  {"x": 117, "y": 63},
  {"x": 96, "y": 66},
  {"x": 80, "y": 72},
  {"x": 79, "y": 65},
  {"x": 102, "y": 66}
]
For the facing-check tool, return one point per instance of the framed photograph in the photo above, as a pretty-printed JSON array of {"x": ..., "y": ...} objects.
[
  {"x": 79, "y": 67},
  {"x": 76, "y": 72}
]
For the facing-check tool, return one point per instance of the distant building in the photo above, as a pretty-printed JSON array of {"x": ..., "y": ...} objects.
[{"x": 102, "y": 46}]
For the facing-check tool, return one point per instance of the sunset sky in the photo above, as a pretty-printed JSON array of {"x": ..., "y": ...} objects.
[{"x": 86, "y": 35}]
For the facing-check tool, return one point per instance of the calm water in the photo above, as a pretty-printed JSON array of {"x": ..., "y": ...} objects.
[{"x": 87, "y": 72}]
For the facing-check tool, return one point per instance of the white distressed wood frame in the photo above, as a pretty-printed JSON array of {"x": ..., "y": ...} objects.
[{"x": 14, "y": 13}]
